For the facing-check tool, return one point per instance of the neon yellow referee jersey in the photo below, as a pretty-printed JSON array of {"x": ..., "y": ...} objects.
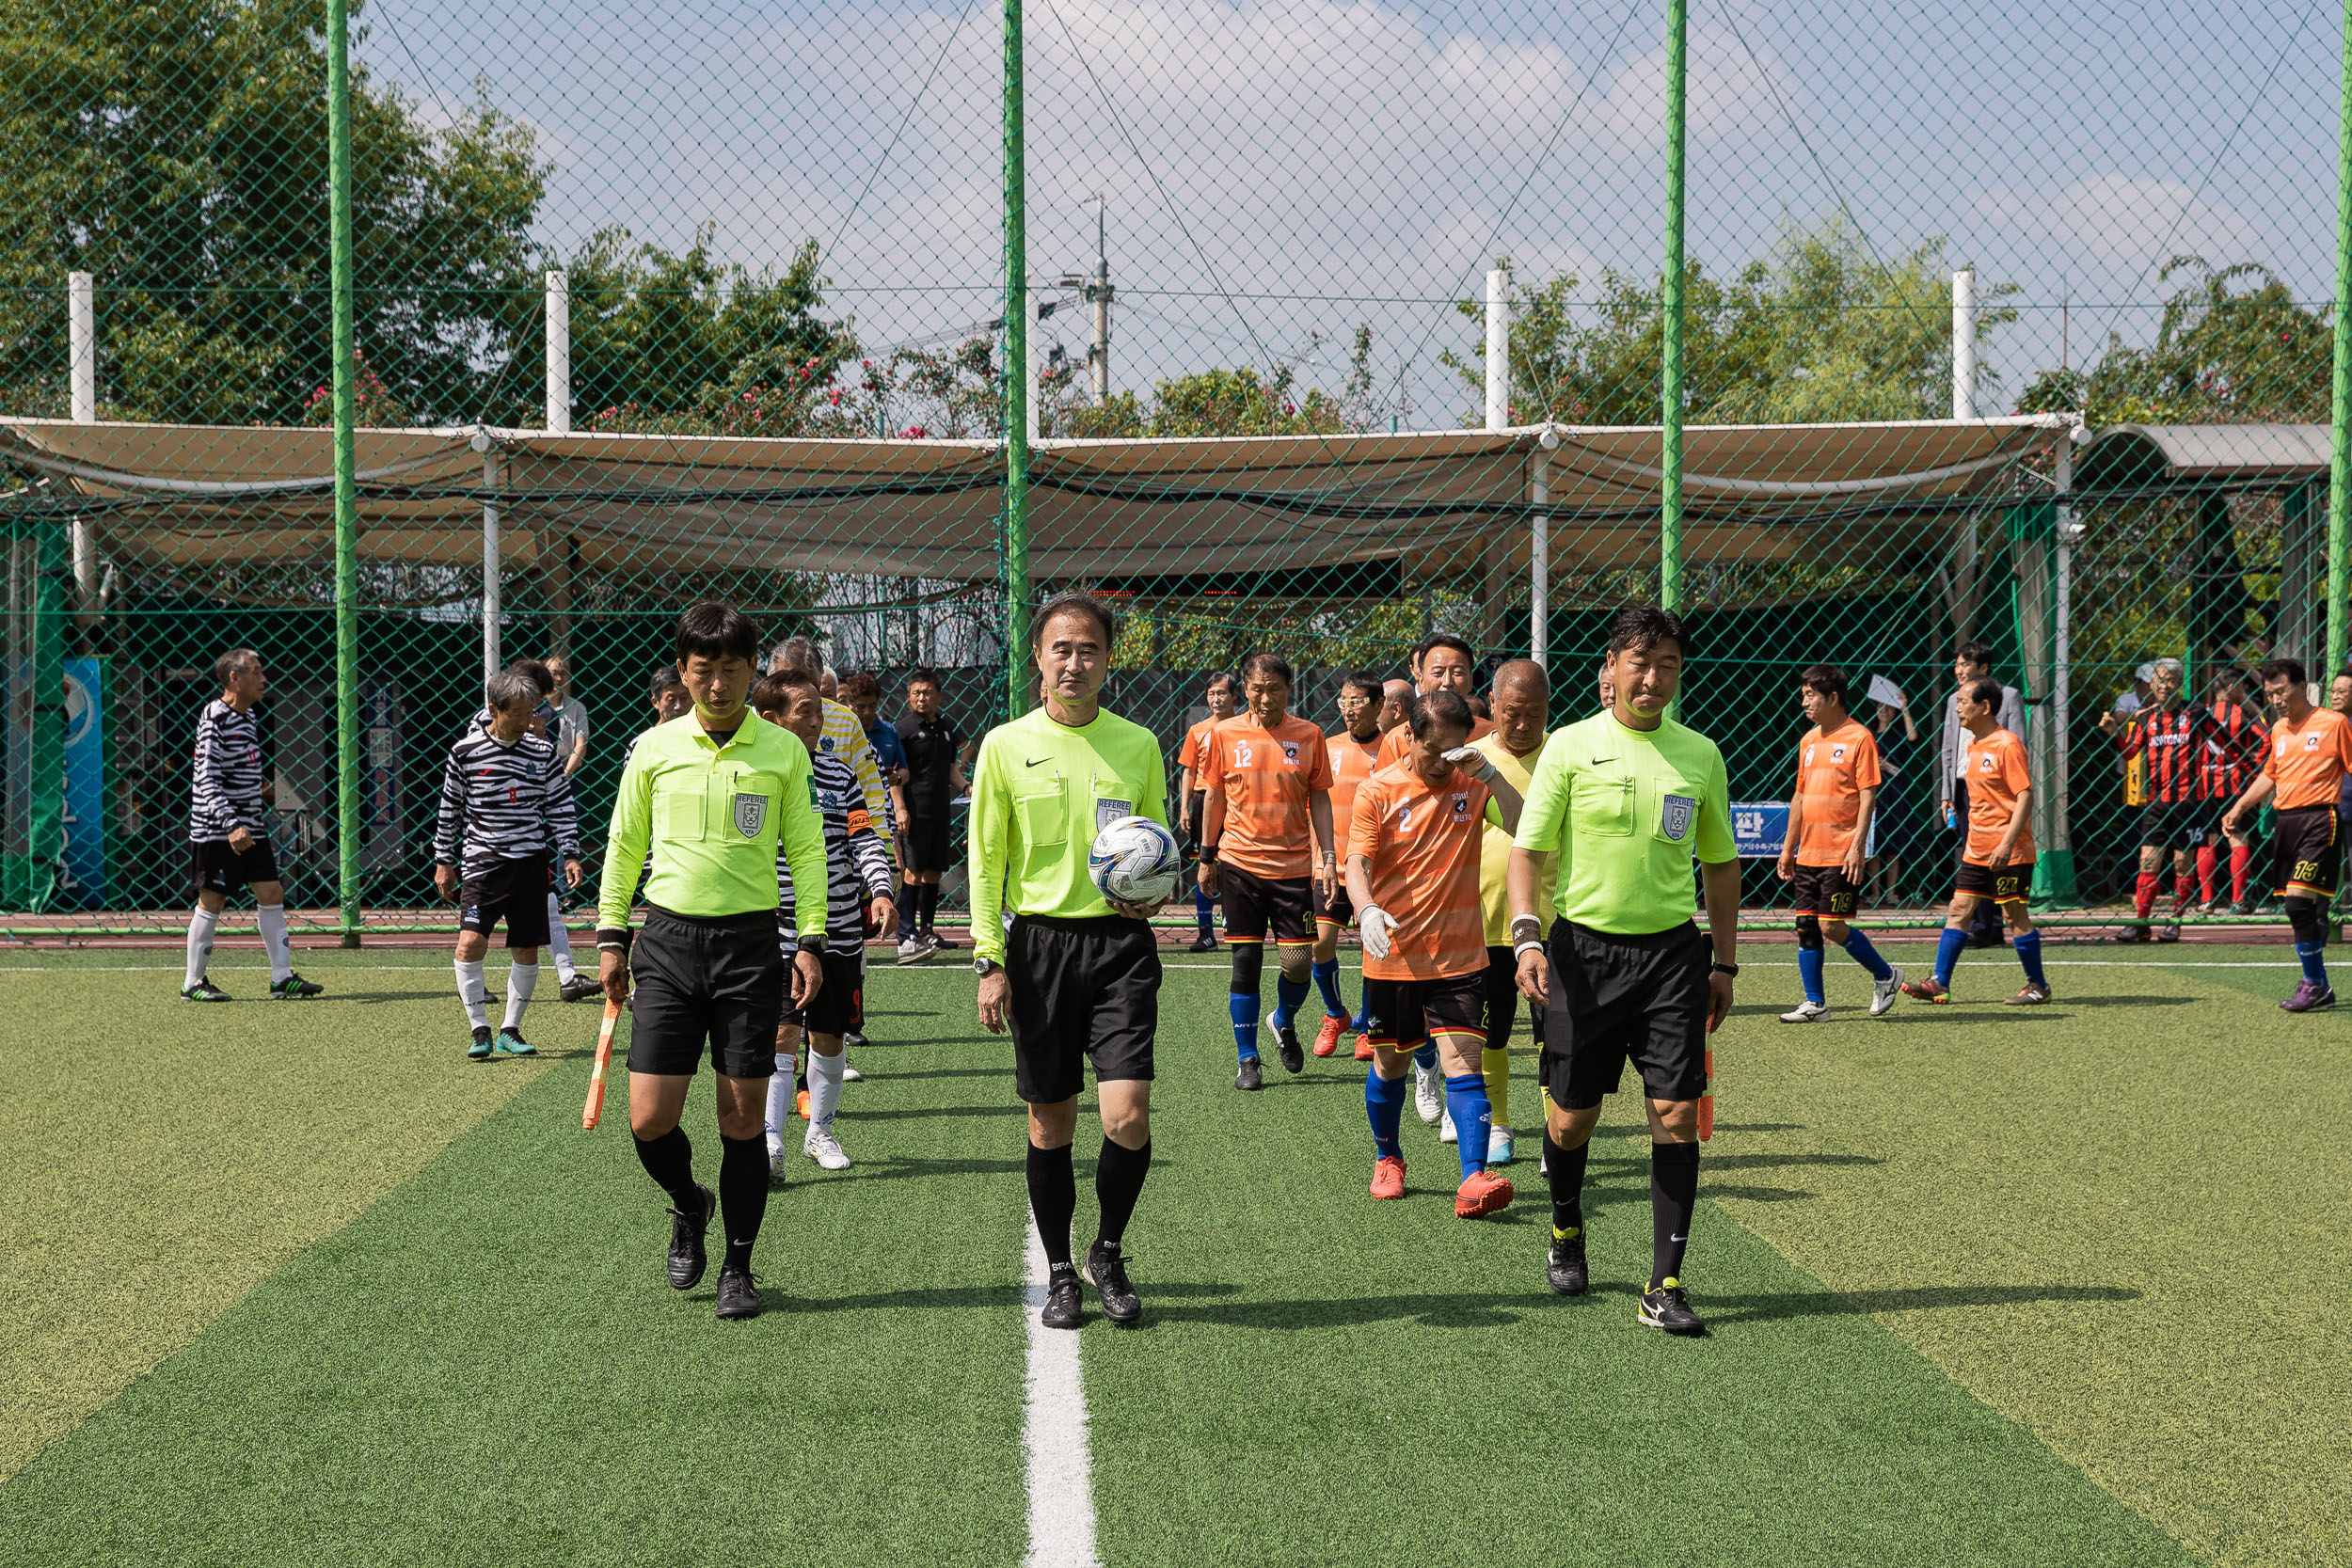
[
  {"x": 1626, "y": 809},
  {"x": 1041, "y": 791},
  {"x": 717, "y": 814}
]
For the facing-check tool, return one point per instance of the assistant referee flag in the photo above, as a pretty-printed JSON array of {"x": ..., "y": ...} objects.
[{"x": 1626, "y": 809}]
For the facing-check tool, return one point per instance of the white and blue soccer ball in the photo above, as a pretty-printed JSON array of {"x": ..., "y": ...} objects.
[{"x": 1135, "y": 861}]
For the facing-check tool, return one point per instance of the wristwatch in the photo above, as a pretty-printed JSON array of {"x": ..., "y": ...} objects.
[
  {"x": 984, "y": 967},
  {"x": 1732, "y": 970}
]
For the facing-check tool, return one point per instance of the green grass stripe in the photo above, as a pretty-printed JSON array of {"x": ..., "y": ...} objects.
[
  {"x": 162, "y": 1157},
  {"x": 489, "y": 1367},
  {"x": 1324, "y": 1379},
  {"x": 2118, "y": 1219}
]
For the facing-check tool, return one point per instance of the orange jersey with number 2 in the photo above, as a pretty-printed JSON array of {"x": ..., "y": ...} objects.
[{"x": 1424, "y": 847}]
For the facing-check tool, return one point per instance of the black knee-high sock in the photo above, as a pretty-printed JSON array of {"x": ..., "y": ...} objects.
[
  {"x": 927, "y": 906},
  {"x": 1563, "y": 1168},
  {"x": 742, "y": 1195},
  {"x": 1053, "y": 1197},
  {"x": 1118, "y": 1182},
  {"x": 670, "y": 1161},
  {"x": 1673, "y": 1192}
]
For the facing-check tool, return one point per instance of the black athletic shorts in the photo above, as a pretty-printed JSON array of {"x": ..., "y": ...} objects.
[
  {"x": 838, "y": 1006},
  {"x": 2174, "y": 824},
  {"x": 1822, "y": 891},
  {"x": 2003, "y": 884},
  {"x": 1504, "y": 1001},
  {"x": 929, "y": 840},
  {"x": 718, "y": 979},
  {"x": 1615, "y": 999},
  {"x": 1340, "y": 910},
  {"x": 513, "y": 891},
  {"x": 2307, "y": 850},
  {"x": 1256, "y": 907},
  {"x": 1200, "y": 802},
  {"x": 1400, "y": 1014},
  {"x": 218, "y": 868},
  {"x": 1083, "y": 990}
]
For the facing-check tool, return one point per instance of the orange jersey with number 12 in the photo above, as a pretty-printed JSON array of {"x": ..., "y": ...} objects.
[{"x": 1268, "y": 777}]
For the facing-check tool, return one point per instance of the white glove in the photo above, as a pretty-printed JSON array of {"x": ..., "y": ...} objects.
[
  {"x": 1375, "y": 924},
  {"x": 1471, "y": 759}
]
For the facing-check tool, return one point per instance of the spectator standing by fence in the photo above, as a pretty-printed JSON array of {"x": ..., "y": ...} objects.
[
  {"x": 569, "y": 728},
  {"x": 1898, "y": 815},
  {"x": 936, "y": 754}
]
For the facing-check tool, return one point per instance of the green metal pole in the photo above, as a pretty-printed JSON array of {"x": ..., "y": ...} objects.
[
  {"x": 1016, "y": 380},
  {"x": 1670, "y": 445},
  {"x": 346, "y": 470},
  {"x": 2340, "y": 417}
]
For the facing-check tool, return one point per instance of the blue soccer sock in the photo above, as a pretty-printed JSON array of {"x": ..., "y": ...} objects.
[
  {"x": 1204, "y": 910},
  {"x": 1328, "y": 982},
  {"x": 1244, "y": 1011},
  {"x": 2314, "y": 955},
  {"x": 1362, "y": 1021},
  {"x": 1473, "y": 1119},
  {"x": 1288, "y": 994},
  {"x": 1809, "y": 971},
  {"x": 1426, "y": 1055},
  {"x": 2029, "y": 954},
  {"x": 1860, "y": 947},
  {"x": 1947, "y": 948},
  {"x": 1384, "y": 1102}
]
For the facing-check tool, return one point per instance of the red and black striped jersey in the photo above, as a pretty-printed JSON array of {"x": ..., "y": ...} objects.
[
  {"x": 2234, "y": 742},
  {"x": 2172, "y": 742}
]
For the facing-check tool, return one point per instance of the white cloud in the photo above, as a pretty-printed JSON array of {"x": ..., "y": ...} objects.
[{"x": 2131, "y": 226}]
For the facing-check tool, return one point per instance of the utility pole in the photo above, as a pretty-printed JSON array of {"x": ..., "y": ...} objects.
[{"x": 1097, "y": 291}]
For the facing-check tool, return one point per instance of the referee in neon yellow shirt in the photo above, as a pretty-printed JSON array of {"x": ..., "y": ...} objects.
[
  {"x": 1076, "y": 978},
  {"x": 713, "y": 794},
  {"x": 1625, "y": 798}
]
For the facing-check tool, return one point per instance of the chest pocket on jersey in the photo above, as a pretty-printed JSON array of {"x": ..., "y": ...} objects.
[
  {"x": 741, "y": 810},
  {"x": 1602, "y": 804},
  {"x": 1668, "y": 805},
  {"x": 677, "y": 808},
  {"x": 1041, "y": 807}
]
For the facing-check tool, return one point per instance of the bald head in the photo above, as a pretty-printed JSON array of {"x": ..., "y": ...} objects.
[
  {"x": 1522, "y": 698},
  {"x": 1396, "y": 704},
  {"x": 1521, "y": 675}
]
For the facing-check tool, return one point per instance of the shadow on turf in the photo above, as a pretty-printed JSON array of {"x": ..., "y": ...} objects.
[{"x": 1768, "y": 1305}]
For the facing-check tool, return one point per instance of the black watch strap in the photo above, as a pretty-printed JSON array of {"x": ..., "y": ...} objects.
[{"x": 1732, "y": 970}]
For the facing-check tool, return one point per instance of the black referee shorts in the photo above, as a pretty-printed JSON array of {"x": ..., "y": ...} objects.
[
  {"x": 839, "y": 1005},
  {"x": 720, "y": 979},
  {"x": 1616, "y": 999},
  {"x": 215, "y": 865},
  {"x": 1082, "y": 990},
  {"x": 2307, "y": 851}
]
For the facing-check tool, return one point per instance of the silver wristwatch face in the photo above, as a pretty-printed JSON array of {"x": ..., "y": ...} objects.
[{"x": 983, "y": 967}]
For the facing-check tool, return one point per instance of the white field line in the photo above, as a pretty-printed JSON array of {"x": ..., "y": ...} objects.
[{"x": 1054, "y": 1435}]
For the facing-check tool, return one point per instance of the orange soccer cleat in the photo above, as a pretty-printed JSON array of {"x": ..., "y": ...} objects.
[
  {"x": 799, "y": 1104},
  {"x": 1388, "y": 1177},
  {"x": 1327, "y": 1037},
  {"x": 1363, "y": 1048},
  {"x": 1481, "y": 1194}
]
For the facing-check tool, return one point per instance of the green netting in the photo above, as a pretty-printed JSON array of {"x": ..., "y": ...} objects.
[{"x": 1854, "y": 331}]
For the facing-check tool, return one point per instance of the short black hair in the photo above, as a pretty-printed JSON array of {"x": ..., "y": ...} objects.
[
  {"x": 1439, "y": 707},
  {"x": 536, "y": 673},
  {"x": 1266, "y": 663},
  {"x": 716, "y": 629},
  {"x": 1986, "y": 690},
  {"x": 664, "y": 678},
  {"x": 226, "y": 667},
  {"x": 1640, "y": 628},
  {"x": 1363, "y": 681},
  {"x": 2273, "y": 668},
  {"x": 923, "y": 674},
  {"x": 1217, "y": 677},
  {"x": 1442, "y": 640},
  {"x": 1826, "y": 679},
  {"x": 773, "y": 692},
  {"x": 1975, "y": 653},
  {"x": 1074, "y": 604}
]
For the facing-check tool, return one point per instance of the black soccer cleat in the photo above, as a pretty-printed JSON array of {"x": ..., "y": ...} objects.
[
  {"x": 293, "y": 988},
  {"x": 1251, "y": 1076},
  {"x": 739, "y": 1292},
  {"x": 1203, "y": 944},
  {"x": 1107, "y": 1271},
  {"x": 579, "y": 988},
  {"x": 203, "y": 990},
  {"x": 1064, "y": 1302},
  {"x": 1668, "y": 1307},
  {"x": 1286, "y": 1042},
  {"x": 1565, "y": 1267},
  {"x": 688, "y": 1258}
]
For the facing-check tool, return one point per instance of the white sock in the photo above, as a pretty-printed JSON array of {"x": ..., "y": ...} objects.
[
  {"x": 471, "y": 990},
  {"x": 522, "y": 980},
  {"x": 203, "y": 922},
  {"x": 561, "y": 941},
  {"x": 273, "y": 919},
  {"x": 779, "y": 1100},
  {"x": 824, "y": 1087}
]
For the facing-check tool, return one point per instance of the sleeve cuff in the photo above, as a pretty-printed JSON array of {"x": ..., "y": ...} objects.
[{"x": 614, "y": 938}]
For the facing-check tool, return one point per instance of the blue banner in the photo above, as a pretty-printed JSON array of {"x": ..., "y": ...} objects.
[
  {"x": 84, "y": 879},
  {"x": 1759, "y": 828}
]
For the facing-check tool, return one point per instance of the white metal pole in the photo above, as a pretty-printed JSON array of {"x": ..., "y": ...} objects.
[
  {"x": 1965, "y": 344},
  {"x": 1498, "y": 349},
  {"x": 1032, "y": 349},
  {"x": 1539, "y": 550},
  {"x": 2062, "y": 654},
  {"x": 82, "y": 365},
  {"x": 559, "y": 354},
  {"x": 491, "y": 567}
]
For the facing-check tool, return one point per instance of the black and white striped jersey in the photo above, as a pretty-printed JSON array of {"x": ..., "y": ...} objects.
[
  {"x": 856, "y": 867},
  {"x": 225, "y": 791},
  {"x": 506, "y": 802}
]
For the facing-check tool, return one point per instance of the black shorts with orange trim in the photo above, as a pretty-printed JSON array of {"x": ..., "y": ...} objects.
[
  {"x": 1400, "y": 1014},
  {"x": 2307, "y": 851},
  {"x": 1822, "y": 891},
  {"x": 1257, "y": 906},
  {"x": 1340, "y": 910},
  {"x": 2003, "y": 884}
]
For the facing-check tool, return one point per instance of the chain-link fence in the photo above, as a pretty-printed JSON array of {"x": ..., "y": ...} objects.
[{"x": 1855, "y": 332}]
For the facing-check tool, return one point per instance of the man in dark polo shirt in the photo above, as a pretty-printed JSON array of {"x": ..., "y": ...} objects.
[{"x": 936, "y": 752}]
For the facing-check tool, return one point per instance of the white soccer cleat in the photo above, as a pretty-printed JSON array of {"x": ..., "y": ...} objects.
[
  {"x": 1810, "y": 1011},
  {"x": 1883, "y": 992},
  {"x": 1498, "y": 1146},
  {"x": 823, "y": 1148},
  {"x": 1428, "y": 1093},
  {"x": 851, "y": 1075},
  {"x": 775, "y": 1158},
  {"x": 1445, "y": 1128}
]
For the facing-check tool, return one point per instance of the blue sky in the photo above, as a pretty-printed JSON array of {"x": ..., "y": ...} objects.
[{"x": 1280, "y": 169}]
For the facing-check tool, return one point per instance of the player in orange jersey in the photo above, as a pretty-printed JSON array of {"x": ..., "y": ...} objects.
[
  {"x": 1441, "y": 662},
  {"x": 1268, "y": 851},
  {"x": 1352, "y": 748},
  {"x": 2310, "y": 750},
  {"x": 1414, "y": 846},
  {"x": 1829, "y": 835},
  {"x": 1221, "y": 693},
  {"x": 1998, "y": 863}
]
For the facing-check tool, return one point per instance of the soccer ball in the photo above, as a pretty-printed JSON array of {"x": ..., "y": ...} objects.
[{"x": 1135, "y": 861}]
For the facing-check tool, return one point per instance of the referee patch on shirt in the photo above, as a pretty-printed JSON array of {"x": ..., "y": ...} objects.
[
  {"x": 751, "y": 814},
  {"x": 1674, "y": 816}
]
